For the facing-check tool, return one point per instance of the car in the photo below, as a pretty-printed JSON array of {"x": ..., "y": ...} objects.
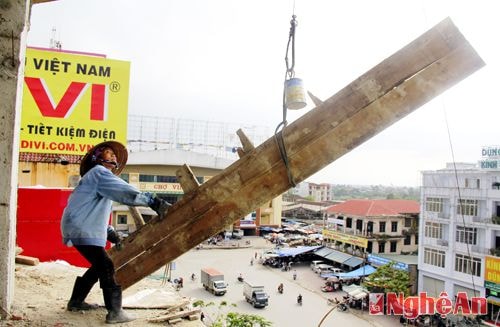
[
  {"x": 335, "y": 270},
  {"x": 320, "y": 268},
  {"x": 314, "y": 263}
]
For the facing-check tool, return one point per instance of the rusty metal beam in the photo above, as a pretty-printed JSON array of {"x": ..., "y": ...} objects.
[{"x": 423, "y": 69}]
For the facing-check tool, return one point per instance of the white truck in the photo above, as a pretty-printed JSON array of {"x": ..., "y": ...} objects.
[
  {"x": 255, "y": 295},
  {"x": 213, "y": 281}
]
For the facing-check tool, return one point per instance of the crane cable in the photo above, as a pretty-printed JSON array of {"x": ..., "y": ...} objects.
[
  {"x": 289, "y": 73},
  {"x": 461, "y": 205}
]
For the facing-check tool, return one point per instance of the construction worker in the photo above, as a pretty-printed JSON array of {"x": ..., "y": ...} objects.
[{"x": 84, "y": 224}]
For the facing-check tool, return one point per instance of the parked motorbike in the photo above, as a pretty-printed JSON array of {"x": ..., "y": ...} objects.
[{"x": 342, "y": 307}]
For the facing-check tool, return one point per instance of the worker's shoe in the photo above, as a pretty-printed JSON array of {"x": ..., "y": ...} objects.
[
  {"x": 113, "y": 303},
  {"x": 80, "y": 291}
]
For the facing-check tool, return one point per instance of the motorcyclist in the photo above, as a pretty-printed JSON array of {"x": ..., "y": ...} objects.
[
  {"x": 299, "y": 299},
  {"x": 280, "y": 288},
  {"x": 181, "y": 282},
  {"x": 240, "y": 278}
]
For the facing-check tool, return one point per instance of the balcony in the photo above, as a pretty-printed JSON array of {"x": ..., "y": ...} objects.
[
  {"x": 480, "y": 249},
  {"x": 495, "y": 252},
  {"x": 431, "y": 215},
  {"x": 476, "y": 219},
  {"x": 443, "y": 215},
  {"x": 436, "y": 215},
  {"x": 442, "y": 242}
]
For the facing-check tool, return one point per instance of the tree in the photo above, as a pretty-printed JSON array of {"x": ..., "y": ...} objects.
[
  {"x": 389, "y": 279},
  {"x": 233, "y": 319}
]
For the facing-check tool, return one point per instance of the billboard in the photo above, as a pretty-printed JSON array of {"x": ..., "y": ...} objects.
[
  {"x": 72, "y": 101},
  {"x": 345, "y": 238}
]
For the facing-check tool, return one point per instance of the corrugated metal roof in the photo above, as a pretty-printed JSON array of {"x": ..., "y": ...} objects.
[
  {"x": 338, "y": 256},
  {"x": 323, "y": 252},
  {"x": 353, "y": 261}
]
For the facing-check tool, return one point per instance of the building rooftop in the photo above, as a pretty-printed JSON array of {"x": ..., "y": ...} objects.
[
  {"x": 370, "y": 208},
  {"x": 177, "y": 158}
]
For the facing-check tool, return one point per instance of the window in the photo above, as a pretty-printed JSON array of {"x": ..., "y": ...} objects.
[
  {"x": 466, "y": 235},
  {"x": 381, "y": 227},
  {"x": 121, "y": 219},
  {"x": 158, "y": 179},
  {"x": 146, "y": 178},
  {"x": 348, "y": 223},
  {"x": 467, "y": 207},
  {"x": 408, "y": 222},
  {"x": 434, "y": 204},
  {"x": 433, "y": 230},
  {"x": 394, "y": 226},
  {"x": 416, "y": 239},
  {"x": 434, "y": 257},
  {"x": 407, "y": 240},
  {"x": 381, "y": 247},
  {"x": 359, "y": 225},
  {"x": 394, "y": 245},
  {"x": 472, "y": 183},
  {"x": 125, "y": 177},
  {"x": 468, "y": 265}
]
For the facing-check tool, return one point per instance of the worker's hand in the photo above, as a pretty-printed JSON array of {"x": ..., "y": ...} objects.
[
  {"x": 160, "y": 206},
  {"x": 114, "y": 237}
]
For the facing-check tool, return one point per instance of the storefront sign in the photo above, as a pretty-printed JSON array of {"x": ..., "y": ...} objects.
[
  {"x": 493, "y": 287},
  {"x": 491, "y": 152},
  {"x": 345, "y": 238},
  {"x": 489, "y": 164},
  {"x": 380, "y": 261},
  {"x": 492, "y": 269},
  {"x": 169, "y": 188}
]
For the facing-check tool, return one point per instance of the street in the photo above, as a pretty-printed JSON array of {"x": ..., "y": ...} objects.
[{"x": 283, "y": 309}]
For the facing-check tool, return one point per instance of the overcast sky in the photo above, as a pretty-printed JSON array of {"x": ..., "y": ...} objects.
[{"x": 223, "y": 61}]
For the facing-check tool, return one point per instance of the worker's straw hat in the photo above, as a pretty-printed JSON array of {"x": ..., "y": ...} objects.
[{"x": 90, "y": 159}]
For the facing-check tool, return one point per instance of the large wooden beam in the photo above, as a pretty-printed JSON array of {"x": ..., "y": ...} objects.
[{"x": 400, "y": 84}]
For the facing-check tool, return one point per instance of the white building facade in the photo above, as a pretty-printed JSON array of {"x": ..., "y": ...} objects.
[
  {"x": 460, "y": 231},
  {"x": 317, "y": 192}
]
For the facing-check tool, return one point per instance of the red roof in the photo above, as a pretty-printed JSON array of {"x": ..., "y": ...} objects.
[{"x": 371, "y": 208}]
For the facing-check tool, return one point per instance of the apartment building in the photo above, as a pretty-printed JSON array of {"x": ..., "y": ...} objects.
[
  {"x": 459, "y": 247},
  {"x": 374, "y": 226},
  {"x": 317, "y": 192}
]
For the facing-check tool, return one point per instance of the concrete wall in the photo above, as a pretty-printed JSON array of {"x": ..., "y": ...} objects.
[{"x": 13, "y": 28}]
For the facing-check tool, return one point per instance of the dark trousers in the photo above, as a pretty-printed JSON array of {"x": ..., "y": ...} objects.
[{"x": 102, "y": 267}]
